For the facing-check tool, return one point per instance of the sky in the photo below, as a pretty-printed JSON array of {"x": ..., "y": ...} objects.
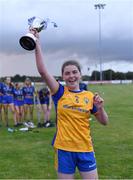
[{"x": 76, "y": 37}]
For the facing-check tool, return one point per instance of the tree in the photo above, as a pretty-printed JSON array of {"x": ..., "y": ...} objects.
[{"x": 95, "y": 76}]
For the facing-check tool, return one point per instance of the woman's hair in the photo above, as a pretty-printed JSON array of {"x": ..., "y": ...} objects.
[
  {"x": 8, "y": 78},
  {"x": 70, "y": 62},
  {"x": 28, "y": 79}
]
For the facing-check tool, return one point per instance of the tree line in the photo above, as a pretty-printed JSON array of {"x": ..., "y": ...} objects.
[
  {"x": 112, "y": 75},
  {"x": 95, "y": 76}
]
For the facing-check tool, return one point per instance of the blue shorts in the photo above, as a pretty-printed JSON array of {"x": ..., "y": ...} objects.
[
  {"x": 8, "y": 99},
  {"x": 18, "y": 102},
  {"x": 1, "y": 99},
  {"x": 44, "y": 101},
  {"x": 68, "y": 161},
  {"x": 29, "y": 101}
]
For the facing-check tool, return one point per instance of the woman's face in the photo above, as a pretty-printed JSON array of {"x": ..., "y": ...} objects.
[
  {"x": 28, "y": 82},
  {"x": 8, "y": 80},
  {"x": 71, "y": 76},
  {"x": 17, "y": 85}
]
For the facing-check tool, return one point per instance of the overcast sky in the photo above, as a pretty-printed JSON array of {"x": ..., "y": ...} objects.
[{"x": 76, "y": 37}]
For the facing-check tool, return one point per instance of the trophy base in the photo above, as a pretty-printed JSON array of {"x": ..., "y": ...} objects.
[{"x": 28, "y": 42}]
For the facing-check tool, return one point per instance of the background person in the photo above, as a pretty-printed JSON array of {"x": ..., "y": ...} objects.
[
  {"x": 1, "y": 101},
  {"x": 83, "y": 86},
  {"x": 46, "y": 104},
  {"x": 8, "y": 100},
  {"x": 28, "y": 91},
  {"x": 19, "y": 104}
]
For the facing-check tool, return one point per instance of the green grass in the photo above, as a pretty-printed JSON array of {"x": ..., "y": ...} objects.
[
  {"x": 114, "y": 143},
  {"x": 29, "y": 155}
]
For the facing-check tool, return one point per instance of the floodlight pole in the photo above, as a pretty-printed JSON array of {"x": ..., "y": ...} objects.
[{"x": 99, "y": 7}]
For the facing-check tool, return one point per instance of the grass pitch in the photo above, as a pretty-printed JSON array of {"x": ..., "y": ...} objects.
[{"x": 29, "y": 155}]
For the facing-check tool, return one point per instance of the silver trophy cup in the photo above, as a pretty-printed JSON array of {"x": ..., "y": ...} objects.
[{"x": 28, "y": 41}]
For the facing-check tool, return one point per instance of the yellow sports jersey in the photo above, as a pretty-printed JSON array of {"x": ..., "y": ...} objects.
[{"x": 73, "y": 111}]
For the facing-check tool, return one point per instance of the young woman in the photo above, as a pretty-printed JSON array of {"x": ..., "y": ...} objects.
[
  {"x": 8, "y": 100},
  {"x": 28, "y": 91},
  {"x": 72, "y": 140},
  {"x": 19, "y": 104},
  {"x": 1, "y": 101},
  {"x": 46, "y": 105}
]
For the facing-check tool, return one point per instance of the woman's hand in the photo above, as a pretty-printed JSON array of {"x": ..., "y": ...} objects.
[
  {"x": 98, "y": 101},
  {"x": 101, "y": 115},
  {"x": 34, "y": 32}
]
